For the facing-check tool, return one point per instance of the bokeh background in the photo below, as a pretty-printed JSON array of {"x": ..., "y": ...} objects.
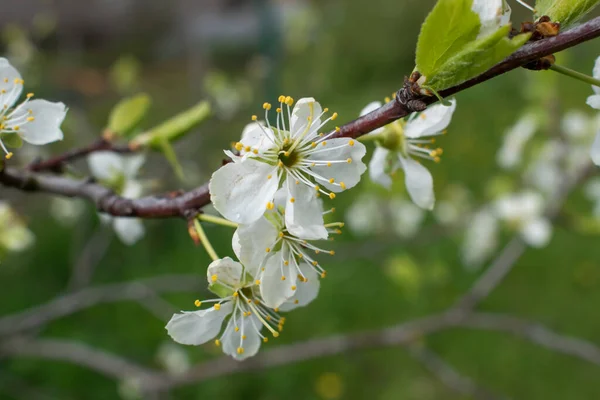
[{"x": 238, "y": 54}]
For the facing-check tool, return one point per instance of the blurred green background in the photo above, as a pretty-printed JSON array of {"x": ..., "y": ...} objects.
[{"x": 238, "y": 54}]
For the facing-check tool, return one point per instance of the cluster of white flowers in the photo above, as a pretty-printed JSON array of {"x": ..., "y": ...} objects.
[{"x": 273, "y": 190}]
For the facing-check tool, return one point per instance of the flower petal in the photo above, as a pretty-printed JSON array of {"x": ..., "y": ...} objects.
[
  {"x": 369, "y": 108},
  {"x": 232, "y": 340},
  {"x": 419, "y": 183},
  {"x": 198, "y": 327},
  {"x": 253, "y": 241},
  {"x": 378, "y": 167},
  {"x": 132, "y": 189},
  {"x": 342, "y": 149},
  {"x": 594, "y": 101},
  {"x": 240, "y": 191},
  {"x": 596, "y": 73},
  {"x": 129, "y": 230},
  {"x": 45, "y": 128},
  {"x": 481, "y": 239},
  {"x": 227, "y": 271},
  {"x": 273, "y": 288},
  {"x": 595, "y": 150},
  {"x": 304, "y": 216},
  {"x": 132, "y": 165},
  {"x": 105, "y": 165},
  {"x": 10, "y": 81},
  {"x": 306, "y": 291},
  {"x": 305, "y": 118},
  {"x": 257, "y": 136},
  {"x": 537, "y": 233},
  {"x": 430, "y": 122}
]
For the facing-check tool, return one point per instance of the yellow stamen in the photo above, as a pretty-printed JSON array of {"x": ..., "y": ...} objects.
[
  {"x": 254, "y": 118},
  {"x": 217, "y": 307},
  {"x": 214, "y": 278},
  {"x": 332, "y": 195},
  {"x": 197, "y": 303},
  {"x": 217, "y": 342}
]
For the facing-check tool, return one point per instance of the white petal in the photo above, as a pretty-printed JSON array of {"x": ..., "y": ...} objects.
[
  {"x": 45, "y": 128},
  {"x": 8, "y": 75},
  {"x": 240, "y": 191},
  {"x": 349, "y": 173},
  {"x": 378, "y": 167},
  {"x": 537, "y": 232},
  {"x": 304, "y": 216},
  {"x": 258, "y": 137},
  {"x": 105, "y": 165},
  {"x": 198, "y": 327},
  {"x": 132, "y": 165},
  {"x": 406, "y": 217},
  {"x": 481, "y": 239},
  {"x": 129, "y": 230},
  {"x": 594, "y": 101},
  {"x": 132, "y": 189},
  {"x": 273, "y": 289},
  {"x": 306, "y": 291},
  {"x": 595, "y": 150},
  {"x": 596, "y": 73},
  {"x": 305, "y": 109},
  {"x": 419, "y": 183},
  {"x": 232, "y": 340},
  {"x": 364, "y": 216},
  {"x": 430, "y": 122},
  {"x": 492, "y": 13},
  {"x": 227, "y": 271},
  {"x": 254, "y": 239},
  {"x": 369, "y": 108},
  {"x": 515, "y": 139}
]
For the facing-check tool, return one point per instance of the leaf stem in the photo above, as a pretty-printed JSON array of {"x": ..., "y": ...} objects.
[
  {"x": 575, "y": 75},
  {"x": 205, "y": 242},
  {"x": 217, "y": 220}
]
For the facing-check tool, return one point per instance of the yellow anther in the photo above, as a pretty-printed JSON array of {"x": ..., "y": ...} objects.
[
  {"x": 217, "y": 342},
  {"x": 351, "y": 143},
  {"x": 281, "y": 98},
  {"x": 276, "y": 309},
  {"x": 257, "y": 281},
  {"x": 286, "y": 153},
  {"x": 317, "y": 188},
  {"x": 300, "y": 255},
  {"x": 286, "y": 263},
  {"x": 283, "y": 278},
  {"x": 294, "y": 287},
  {"x": 237, "y": 328},
  {"x": 309, "y": 118},
  {"x": 323, "y": 274},
  {"x": 265, "y": 339},
  {"x": 243, "y": 337},
  {"x": 445, "y": 131},
  {"x": 275, "y": 334},
  {"x": 295, "y": 302},
  {"x": 247, "y": 148},
  {"x": 338, "y": 231},
  {"x": 321, "y": 134},
  {"x": 437, "y": 159},
  {"x": 239, "y": 146},
  {"x": 332, "y": 253},
  {"x": 314, "y": 263},
  {"x": 281, "y": 234},
  {"x": 269, "y": 176},
  {"x": 317, "y": 251},
  {"x": 332, "y": 195},
  {"x": 423, "y": 116},
  {"x": 16, "y": 127},
  {"x": 280, "y": 327},
  {"x": 255, "y": 151},
  {"x": 5, "y": 80},
  {"x": 217, "y": 307},
  {"x": 267, "y": 106},
  {"x": 286, "y": 141},
  {"x": 29, "y": 95},
  {"x": 214, "y": 278},
  {"x": 313, "y": 145},
  {"x": 282, "y": 321},
  {"x": 440, "y": 151},
  {"x": 433, "y": 153},
  {"x": 270, "y": 205},
  {"x": 235, "y": 294},
  {"x": 9, "y": 155},
  {"x": 313, "y": 164},
  {"x": 326, "y": 109},
  {"x": 329, "y": 164},
  {"x": 197, "y": 303},
  {"x": 343, "y": 185},
  {"x": 289, "y": 101},
  {"x": 337, "y": 129},
  {"x": 256, "y": 301},
  {"x": 280, "y": 164},
  {"x": 268, "y": 317},
  {"x": 387, "y": 99},
  {"x": 333, "y": 210},
  {"x": 292, "y": 200},
  {"x": 249, "y": 301},
  {"x": 240, "y": 350},
  {"x": 268, "y": 249},
  {"x": 331, "y": 180},
  {"x": 297, "y": 182},
  {"x": 324, "y": 143},
  {"x": 30, "y": 119},
  {"x": 3, "y": 91},
  {"x": 334, "y": 116},
  {"x": 349, "y": 160},
  {"x": 278, "y": 109}
]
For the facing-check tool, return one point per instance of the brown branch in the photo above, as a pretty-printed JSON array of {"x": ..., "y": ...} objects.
[
  {"x": 156, "y": 207},
  {"x": 56, "y": 164}
]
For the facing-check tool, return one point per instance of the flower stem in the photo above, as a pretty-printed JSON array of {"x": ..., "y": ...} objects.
[
  {"x": 575, "y": 75},
  {"x": 205, "y": 242},
  {"x": 217, "y": 220}
]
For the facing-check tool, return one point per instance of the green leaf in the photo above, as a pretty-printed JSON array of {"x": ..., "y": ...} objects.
[
  {"x": 128, "y": 113},
  {"x": 448, "y": 28},
  {"x": 476, "y": 58},
  {"x": 11, "y": 140},
  {"x": 567, "y": 12}
]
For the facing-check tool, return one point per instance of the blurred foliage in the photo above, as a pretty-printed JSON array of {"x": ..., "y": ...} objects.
[{"x": 344, "y": 53}]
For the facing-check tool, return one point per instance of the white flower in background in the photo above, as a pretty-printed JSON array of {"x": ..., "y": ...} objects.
[
  {"x": 293, "y": 155},
  {"x": 14, "y": 235},
  {"x": 592, "y": 191},
  {"x": 481, "y": 238},
  {"x": 173, "y": 358},
  {"x": 594, "y": 102},
  {"x": 454, "y": 205},
  {"x": 34, "y": 121},
  {"x": 119, "y": 173},
  {"x": 525, "y": 212},
  {"x": 240, "y": 303},
  {"x": 511, "y": 153},
  {"x": 404, "y": 140},
  {"x": 279, "y": 259},
  {"x": 546, "y": 172},
  {"x": 406, "y": 217},
  {"x": 364, "y": 216},
  {"x": 66, "y": 211},
  {"x": 493, "y": 14}
]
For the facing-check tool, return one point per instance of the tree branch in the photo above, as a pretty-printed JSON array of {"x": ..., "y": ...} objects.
[{"x": 162, "y": 207}]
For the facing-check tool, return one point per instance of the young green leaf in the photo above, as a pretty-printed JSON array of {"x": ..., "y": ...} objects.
[
  {"x": 450, "y": 26},
  {"x": 567, "y": 12},
  {"x": 128, "y": 113},
  {"x": 476, "y": 58}
]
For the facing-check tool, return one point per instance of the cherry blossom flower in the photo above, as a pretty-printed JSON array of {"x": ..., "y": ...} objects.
[
  {"x": 14, "y": 235},
  {"x": 240, "y": 304},
  {"x": 292, "y": 154},
  {"x": 594, "y": 102},
  {"x": 119, "y": 173},
  {"x": 481, "y": 238},
  {"x": 33, "y": 121},
  {"x": 515, "y": 139},
  {"x": 402, "y": 141},
  {"x": 524, "y": 211}
]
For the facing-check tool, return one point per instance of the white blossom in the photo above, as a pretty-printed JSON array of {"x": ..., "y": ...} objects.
[
  {"x": 239, "y": 305},
  {"x": 404, "y": 140},
  {"x": 119, "y": 173},
  {"x": 511, "y": 153},
  {"x": 481, "y": 238},
  {"x": 524, "y": 212},
  {"x": 279, "y": 257},
  {"x": 14, "y": 235},
  {"x": 292, "y": 154},
  {"x": 33, "y": 121},
  {"x": 493, "y": 14},
  {"x": 592, "y": 191},
  {"x": 594, "y": 102}
]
